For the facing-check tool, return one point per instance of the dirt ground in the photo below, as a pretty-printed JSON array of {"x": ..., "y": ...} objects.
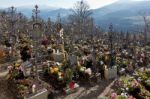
[
  {"x": 6, "y": 90},
  {"x": 85, "y": 91}
]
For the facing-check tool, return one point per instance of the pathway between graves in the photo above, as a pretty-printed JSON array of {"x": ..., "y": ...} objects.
[
  {"x": 5, "y": 92},
  {"x": 95, "y": 92},
  {"x": 3, "y": 74},
  {"x": 107, "y": 90},
  {"x": 3, "y": 70}
]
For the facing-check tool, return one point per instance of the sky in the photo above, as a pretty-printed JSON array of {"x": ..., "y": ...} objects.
[{"x": 56, "y": 3}]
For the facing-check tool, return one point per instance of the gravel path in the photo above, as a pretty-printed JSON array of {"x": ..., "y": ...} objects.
[{"x": 91, "y": 92}]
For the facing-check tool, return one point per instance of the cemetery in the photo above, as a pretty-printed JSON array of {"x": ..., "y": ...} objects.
[{"x": 41, "y": 60}]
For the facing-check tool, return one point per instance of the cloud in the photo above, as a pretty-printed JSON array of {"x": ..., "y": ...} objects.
[
  {"x": 54, "y": 3},
  {"x": 99, "y": 3}
]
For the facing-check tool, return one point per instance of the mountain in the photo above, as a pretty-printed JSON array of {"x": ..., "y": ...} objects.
[
  {"x": 44, "y": 10},
  {"x": 54, "y": 13},
  {"x": 124, "y": 15}
]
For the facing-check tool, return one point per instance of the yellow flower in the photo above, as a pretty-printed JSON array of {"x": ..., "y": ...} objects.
[
  {"x": 78, "y": 64},
  {"x": 59, "y": 73},
  {"x": 56, "y": 69},
  {"x": 51, "y": 70},
  {"x": 82, "y": 69},
  {"x": 17, "y": 65}
]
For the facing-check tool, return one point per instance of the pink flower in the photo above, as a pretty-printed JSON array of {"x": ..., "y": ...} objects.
[
  {"x": 9, "y": 68},
  {"x": 135, "y": 83},
  {"x": 88, "y": 71},
  {"x": 113, "y": 96}
]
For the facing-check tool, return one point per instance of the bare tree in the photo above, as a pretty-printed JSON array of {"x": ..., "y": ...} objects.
[
  {"x": 146, "y": 31},
  {"x": 146, "y": 28},
  {"x": 81, "y": 18}
]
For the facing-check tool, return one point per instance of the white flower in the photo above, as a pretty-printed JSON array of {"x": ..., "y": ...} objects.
[
  {"x": 101, "y": 62},
  {"x": 31, "y": 46},
  {"x": 122, "y": 94},
  {"x": 122, "y": 89},
  {"x": 139, "y": 79},
  {"x": 76, "y": 85}
]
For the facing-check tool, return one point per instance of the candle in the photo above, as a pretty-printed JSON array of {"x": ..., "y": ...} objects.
[
  {"x": 57, "y": 51},
  {"x": 33, "y": 88}
]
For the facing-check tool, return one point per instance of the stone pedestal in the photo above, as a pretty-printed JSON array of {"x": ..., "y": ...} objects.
[
  {"x": 73, "y": 59},
  {"x": 110, "y": 73},
  {"x": 58, "y": 57}
]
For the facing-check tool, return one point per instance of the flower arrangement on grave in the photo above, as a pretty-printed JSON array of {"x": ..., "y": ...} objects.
[
  {"x": 129, "y": 86},
  {"x": 142, "y": 74},
  {"x": 57, "y": 72},
  {"x": 61, "y": 77},
  {"x": 84, "y": 72},
  {"x": 23, "y": 85},
  {"x": 123, "y": 96},
  {"x": 45, "y": 42},
  {"x": 15, "y": 71},
  {"x": 143, "y": 77},
  {"x": 147, "y": 84},
  {"x": 71, "y": 87},
  {"x": 69, "y": 75},
  {"x": 28, "y": 87}
]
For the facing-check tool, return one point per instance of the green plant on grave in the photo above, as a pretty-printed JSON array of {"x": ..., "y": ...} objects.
[
  {"x": 45, "y": 70},
  {"x": 121, "y": 97},
  {"x": 147, "y": 83},
  {"x": 68, "y": 75},
  {"x": 144, "y": 77},
  {"x": 14, "y": 74},
  {"x": 119, "y": 91}
]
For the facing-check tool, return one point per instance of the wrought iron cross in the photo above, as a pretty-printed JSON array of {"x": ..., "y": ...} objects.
[{"x": 36, "y": 11}]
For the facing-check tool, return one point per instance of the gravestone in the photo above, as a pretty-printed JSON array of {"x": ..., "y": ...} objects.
[
  {"x": 110, "y": 73},
  {"x": 73, "y": 59}
]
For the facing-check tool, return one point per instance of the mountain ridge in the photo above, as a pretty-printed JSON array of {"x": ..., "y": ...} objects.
[{"x": 124, "y": 15}]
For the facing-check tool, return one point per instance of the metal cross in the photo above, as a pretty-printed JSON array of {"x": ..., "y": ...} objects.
[
  {"x": 36, "y": 11},
  {"x": 111, "y": 44}
]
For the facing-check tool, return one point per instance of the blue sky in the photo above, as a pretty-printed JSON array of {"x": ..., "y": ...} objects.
[{"x": 54, "y": 3}]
